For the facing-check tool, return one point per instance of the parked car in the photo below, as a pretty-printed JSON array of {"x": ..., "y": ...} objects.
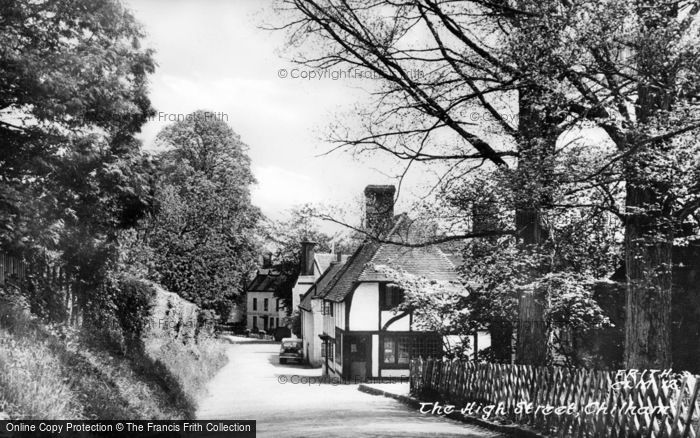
[{"x": 291, "y": 349}]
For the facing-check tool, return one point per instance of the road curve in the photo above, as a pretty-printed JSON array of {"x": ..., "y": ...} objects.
[{"x": 253, "y": 385}]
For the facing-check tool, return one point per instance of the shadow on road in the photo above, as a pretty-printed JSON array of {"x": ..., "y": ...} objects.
[{"x": 274, "y": 360}]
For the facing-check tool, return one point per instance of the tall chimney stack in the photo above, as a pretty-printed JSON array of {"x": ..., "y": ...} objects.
[
  {"x": 267, "y": 260},
  {"x": 379, "y": 208},
  {"x": 306, "y": 259}
]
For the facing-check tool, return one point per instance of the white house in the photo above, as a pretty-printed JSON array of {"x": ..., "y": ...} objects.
[
  {"x": 314, "y": 268},
  {"x": 363, "y": 334},
  {"x": 264, "y": 311},
  {"x": 311, "y": 313}
]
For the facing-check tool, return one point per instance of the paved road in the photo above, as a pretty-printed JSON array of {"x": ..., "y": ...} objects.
[{"x": 249, "y": 387}]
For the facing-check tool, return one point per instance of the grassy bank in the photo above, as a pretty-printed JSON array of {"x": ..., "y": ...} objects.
[{"x": 46, "y": 373}]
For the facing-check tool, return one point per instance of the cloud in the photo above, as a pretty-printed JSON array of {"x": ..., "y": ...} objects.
[{"x": 280, "y": 189}]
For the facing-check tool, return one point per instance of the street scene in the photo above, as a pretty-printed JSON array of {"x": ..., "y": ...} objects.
[
  {"x": 250, "y": 387},
  {"x": 331, "y": 218}
]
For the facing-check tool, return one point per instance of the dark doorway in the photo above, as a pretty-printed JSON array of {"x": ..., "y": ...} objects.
[{"x": 359, "y": 357}]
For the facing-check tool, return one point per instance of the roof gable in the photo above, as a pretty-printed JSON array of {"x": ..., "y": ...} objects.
[
  {"x": 267, "y": 280},
  {"x": 425, "y": 261},
  {"x": 315, "y": 290}
]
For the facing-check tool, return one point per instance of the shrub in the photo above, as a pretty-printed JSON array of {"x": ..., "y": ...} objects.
[
  {"x": 116, "y": 317},
  {"x": 133, "y": 304}
]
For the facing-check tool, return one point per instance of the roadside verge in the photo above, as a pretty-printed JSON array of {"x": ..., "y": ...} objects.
[{"x": 514, "y": 431}]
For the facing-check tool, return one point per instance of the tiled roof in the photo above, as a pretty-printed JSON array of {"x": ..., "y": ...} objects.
[
  {"x": 429, "y": 262},
  {"x": 424, "y": 261},
  {"x": 343, "y": 281},
  {"x": 266, "y": 280},
  {"x": 320, "y": 284}
]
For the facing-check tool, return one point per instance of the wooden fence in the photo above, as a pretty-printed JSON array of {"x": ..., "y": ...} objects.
[
  {"x": 591, "y": 403},
  {"x": 11, "y": 268}
]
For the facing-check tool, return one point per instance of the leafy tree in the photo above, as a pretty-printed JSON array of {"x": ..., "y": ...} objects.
[
  {"x": 633, "y": 75},
  {"x": 204, "y": 233},
  {"x": 626, "y": 68},
  {"x": 457, "y": 112},
  {"x": 73, "y": 94},
  {"x": 284, "y": 238},
  {"x": 68, "y": 67}
]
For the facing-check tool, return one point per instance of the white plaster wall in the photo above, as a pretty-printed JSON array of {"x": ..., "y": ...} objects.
[
  {"x": 375, "y": 355},
  {"x": 300, "y": 288},
  {"x": 339, "y": 314},
  {"x": 365, "y": 307},
  {"x": 401, "y": 324},
  {"x": 328, "y": 324},
  {"x": 271, "y": 308},
  {"x": 316, "y": 322},
  {"x": 307, "y": 333},
  {"x": 484, "y": 340}
]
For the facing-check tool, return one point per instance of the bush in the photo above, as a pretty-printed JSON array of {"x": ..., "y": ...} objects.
[
  {"x": 281, "y": 333},
  {"x": 133, "y": 304},
  {"x": 52, "y": 372},
  {"x": 118, "y": 313}
]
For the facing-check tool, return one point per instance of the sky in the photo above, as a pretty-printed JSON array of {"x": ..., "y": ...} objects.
[{"x": 214, "y": 55}]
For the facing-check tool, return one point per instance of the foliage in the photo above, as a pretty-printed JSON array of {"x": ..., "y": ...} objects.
[
  {"x": 201, "y": 241},
  {"x": 133, "y": 301},
  {"x": 50, "y": 107},
  {"x": 596, "y": 103},
  {"x": 284, "y": 238},
  {"x": 436, "y": 306},
  {"x": 50, "y": 371},
  {"x": 72, "y": 174}
]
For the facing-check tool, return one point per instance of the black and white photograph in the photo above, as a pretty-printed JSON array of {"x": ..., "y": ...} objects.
[{"x": 350, "y": 218}]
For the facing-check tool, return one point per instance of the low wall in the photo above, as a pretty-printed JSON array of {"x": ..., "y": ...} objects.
[{"x": 172, "y": 317}]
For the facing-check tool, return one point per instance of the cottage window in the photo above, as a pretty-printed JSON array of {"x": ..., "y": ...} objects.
[
  {"x": 396, "y": 350},
  {"x": 389, "y": 350},
  {"x": 327, "y": 350},
  {"x": 265, "y": 304},
  {"x": 327, "y": 308},
  {"x": 255, "y": 304},
  {"x": 402, "y": 352},
  {"x": 255, "y": 322},
  {"x": 390, "y": 296},
  {"x": 426, "y": 345},
  {"x": 399, "y": 349}
]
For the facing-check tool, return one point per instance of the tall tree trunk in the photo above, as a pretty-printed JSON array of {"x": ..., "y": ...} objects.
[
  {"x": 536, "y": 145},
  {"x": 531, "y": 347},
  {"x": 649, "y": 225},
  {"x": 648, "y": 245}
]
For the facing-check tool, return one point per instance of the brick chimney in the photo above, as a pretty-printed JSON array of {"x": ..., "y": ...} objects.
[
  {"x": 306, "y": 259},
  {"x": 267, "y": 260},
  {"x": 379, "y": 208}
]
